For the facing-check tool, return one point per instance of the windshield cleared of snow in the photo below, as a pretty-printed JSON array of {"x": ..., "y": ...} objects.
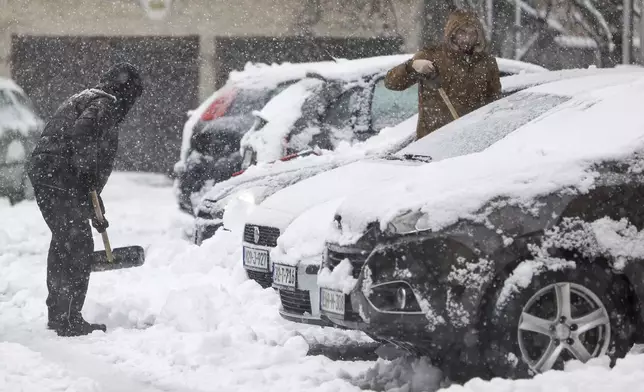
[{"x": 482, "y": 128}]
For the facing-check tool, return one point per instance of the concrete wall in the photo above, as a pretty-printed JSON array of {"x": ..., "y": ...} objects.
[{"x": 207, "y": 18}]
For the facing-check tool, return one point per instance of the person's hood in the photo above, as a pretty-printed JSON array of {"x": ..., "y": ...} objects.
[
  {"x": 461, "y": 18},
  {"x": 124, "y": 82}
]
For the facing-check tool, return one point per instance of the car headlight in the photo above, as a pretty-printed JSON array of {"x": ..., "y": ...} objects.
[
  {"x": 394, "y": 297},
  {"x": 404, "y": 223}
]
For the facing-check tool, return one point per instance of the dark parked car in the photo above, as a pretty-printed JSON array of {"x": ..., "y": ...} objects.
[
  {"x": 514, "y": 259},
  {"x": 213, "y": 153}
]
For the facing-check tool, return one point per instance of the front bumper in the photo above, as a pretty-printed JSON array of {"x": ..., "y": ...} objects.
[{"x": 301, "y": 304}]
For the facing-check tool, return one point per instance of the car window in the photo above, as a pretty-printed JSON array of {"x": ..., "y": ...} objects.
[
  {"x": 389, "y": 108},
  {"x": 248, "y": 100},
  {"x": 339, "y": 114},
  {"x": 483, "y": 127}
]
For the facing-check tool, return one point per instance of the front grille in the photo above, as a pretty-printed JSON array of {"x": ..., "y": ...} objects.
[
  {"x": 267, "y": 235},
  {"x": 265, "y": 279},
  {"x": 297, "y": 302},
  {"x": 357, "y": 259}
]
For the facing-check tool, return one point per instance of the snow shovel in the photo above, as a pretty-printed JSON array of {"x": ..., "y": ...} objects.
[{"x": 113, "y": 259}]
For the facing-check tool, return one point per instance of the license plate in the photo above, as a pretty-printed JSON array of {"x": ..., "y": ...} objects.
[
  {"x": 332, "y": 301},
  {"x": 284, "y": 275},
  {"x": 256, "y": 259}
]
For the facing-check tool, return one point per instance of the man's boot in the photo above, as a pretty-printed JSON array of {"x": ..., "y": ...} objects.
[{"x": 66, "y": 320}]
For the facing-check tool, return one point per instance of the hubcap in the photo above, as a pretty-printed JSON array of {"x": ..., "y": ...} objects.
[{"x": 577, "y": 324}]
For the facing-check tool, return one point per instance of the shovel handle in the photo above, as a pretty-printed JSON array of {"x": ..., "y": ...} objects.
[
  {"x": 99, "y": 216},
  {"x": 448, "y": 103}
]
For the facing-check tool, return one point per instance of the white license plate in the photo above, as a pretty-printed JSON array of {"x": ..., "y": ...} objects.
[
  {"x": 284, "y": 275},
  {"x": 332, "y": 301},
  {"x": 256, "y": 259}
]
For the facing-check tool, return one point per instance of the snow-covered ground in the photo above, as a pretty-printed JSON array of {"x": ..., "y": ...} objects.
[{"x": 190, "y": 320}]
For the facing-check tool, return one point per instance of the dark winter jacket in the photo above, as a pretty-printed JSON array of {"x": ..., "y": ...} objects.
[
  {"x": 470, "y": 80},
  {"x": 78, "y": 146}
]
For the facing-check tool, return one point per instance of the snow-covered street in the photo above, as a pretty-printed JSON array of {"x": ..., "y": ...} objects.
[{"x": 190, "y": 320}]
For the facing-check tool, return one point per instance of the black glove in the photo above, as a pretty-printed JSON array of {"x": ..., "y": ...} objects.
[{"x": 100, "y": 226}]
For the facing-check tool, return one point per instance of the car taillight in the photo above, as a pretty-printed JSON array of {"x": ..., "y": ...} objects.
[
  {"x": 235, "y": 174},
  {"x": 219, "y": 106}
]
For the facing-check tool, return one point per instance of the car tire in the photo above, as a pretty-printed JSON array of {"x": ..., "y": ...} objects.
[{"x": 511, "y": 349}]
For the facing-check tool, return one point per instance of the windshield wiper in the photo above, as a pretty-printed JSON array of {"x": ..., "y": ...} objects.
[{"x": 410, "y": 157}]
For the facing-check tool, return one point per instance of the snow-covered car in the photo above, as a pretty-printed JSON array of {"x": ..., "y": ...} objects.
[
  {"x": 19, "y": 128},
  {"x": 348, "y": 103},
  {"x": 516, "y": 257},
  {"x": 362, "y": 106},
  {"x": 213, "y": 131},
  {"x": 301, "y": 241},
  {"x": 363, "y": 109}
]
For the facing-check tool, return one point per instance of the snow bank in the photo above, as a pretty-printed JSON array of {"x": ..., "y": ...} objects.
[
  {"x": 24, "y": 370},
  {"x": 189, "y": 319},
  {"x": 303, "y": 241},
  {"x": 401, "y": 375},
  {"x": 543, "y": 156}
]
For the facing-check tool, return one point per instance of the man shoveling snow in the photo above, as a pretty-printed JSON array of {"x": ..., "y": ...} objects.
[{"x": 75, "y": 155}]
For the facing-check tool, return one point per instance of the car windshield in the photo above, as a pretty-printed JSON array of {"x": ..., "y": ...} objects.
[
  {"x": 389, "y": 107},
  {"x": 483, "y": 127}
]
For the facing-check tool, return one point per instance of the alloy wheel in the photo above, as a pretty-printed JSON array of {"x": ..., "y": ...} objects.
[{"x": 563, "y": 320}]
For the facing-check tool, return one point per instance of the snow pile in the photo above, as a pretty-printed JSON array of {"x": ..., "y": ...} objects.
[
  {"x": 542, "y": 157},
  {"x": 304, "y": 240},
  {"x": 401, "y": 375},
  {"x": 189, "y": 319},
  {"x": 24, "y": 370},
  {"x": 340, "y": 278},
  {"x": 280, "y": 114}
]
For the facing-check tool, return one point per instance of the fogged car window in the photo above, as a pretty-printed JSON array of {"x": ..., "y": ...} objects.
[
  {"x": 339, "y": 113},
  {"x": 389, "y": 108},
  {"x": 483, "y": 127}
]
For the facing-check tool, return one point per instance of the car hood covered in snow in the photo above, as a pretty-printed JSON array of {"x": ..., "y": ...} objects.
[
  {"x": 277, "y": 175},
  {"x": 557, "y": 150}
]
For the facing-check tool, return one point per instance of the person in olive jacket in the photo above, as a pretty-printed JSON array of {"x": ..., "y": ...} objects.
[
  {"x": 75, "y": 155},
  {"x": 460, "y": 65}
]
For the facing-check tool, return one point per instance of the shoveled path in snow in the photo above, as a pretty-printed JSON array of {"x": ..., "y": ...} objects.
[{"x": 189, "y": 319}]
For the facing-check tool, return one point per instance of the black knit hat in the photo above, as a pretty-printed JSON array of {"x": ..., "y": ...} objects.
[{"x": 124, "y": 81}]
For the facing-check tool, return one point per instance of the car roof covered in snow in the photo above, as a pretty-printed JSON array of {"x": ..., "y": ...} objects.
[{"x": 600, "y": 121}]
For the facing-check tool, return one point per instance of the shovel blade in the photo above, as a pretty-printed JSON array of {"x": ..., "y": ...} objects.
[{"x": 126, "y": 257}]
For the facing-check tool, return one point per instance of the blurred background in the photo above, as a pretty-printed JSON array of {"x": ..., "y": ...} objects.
[{"x": 186, "y": 48}]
